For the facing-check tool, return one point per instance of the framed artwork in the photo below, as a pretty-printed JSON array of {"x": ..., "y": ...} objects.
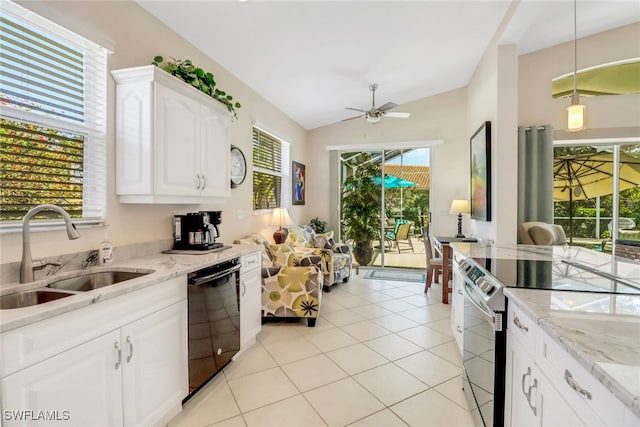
[
  {"x": 481, "y": 173},
  {"x": 299, "y": 175}
]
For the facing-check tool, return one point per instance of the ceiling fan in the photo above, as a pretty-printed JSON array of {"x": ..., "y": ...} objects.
[{"x": 375, "y": 114}]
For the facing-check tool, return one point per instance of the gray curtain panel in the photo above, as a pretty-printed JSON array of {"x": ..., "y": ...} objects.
[{"x": 535, "y": 173}]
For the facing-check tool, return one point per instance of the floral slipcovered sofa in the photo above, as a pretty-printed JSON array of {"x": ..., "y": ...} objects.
[
  {"x": 291, "y": 283},
  {"x": 336, "y": 257}
]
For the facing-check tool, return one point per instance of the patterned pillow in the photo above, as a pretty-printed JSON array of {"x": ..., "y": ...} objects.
[
  {"x": 297, "y": 237},
  {"x": 324, "y": 240},
  {"x": 283, "y": 254},
  {"x": 258, "y": 240}
]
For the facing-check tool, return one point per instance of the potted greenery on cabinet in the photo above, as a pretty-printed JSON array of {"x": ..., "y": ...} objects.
[{"x": 361, "y": 202}]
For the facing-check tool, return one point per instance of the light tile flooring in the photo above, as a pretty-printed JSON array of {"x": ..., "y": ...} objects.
[{"x": 381, "y": 354}]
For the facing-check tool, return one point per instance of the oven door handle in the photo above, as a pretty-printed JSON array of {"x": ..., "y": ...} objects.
[
  {"x": 200, "y": 280},
  {"x": 488, "y": 316}
]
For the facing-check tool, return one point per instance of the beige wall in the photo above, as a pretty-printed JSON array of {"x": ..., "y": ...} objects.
[
  {"x": 136, "y": 37},
  {"x": 535, "y": 105},
  {"x": 436, "y": 118}
]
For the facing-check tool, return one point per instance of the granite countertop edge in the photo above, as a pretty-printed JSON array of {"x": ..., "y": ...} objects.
[
  {"x": 518, "y": 297},
  {"x": 165, "y": 266}
]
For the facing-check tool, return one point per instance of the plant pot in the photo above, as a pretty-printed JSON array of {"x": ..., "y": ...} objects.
[{"x": 363, "y": 252}]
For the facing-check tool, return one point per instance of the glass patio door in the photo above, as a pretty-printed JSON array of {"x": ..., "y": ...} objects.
[{"x": 403, "y": 203}]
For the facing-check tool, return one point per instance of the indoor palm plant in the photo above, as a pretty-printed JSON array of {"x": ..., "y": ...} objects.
[{"x": 361, "y": 209}]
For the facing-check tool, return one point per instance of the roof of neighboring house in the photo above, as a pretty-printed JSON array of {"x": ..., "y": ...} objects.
[{"x": 418, "y": 174}]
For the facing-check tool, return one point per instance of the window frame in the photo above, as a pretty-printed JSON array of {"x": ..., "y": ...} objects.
[{"x": 92, "y": 127}]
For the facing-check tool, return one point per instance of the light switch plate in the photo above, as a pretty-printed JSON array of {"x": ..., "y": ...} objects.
[{"x": 240, "y": 214}]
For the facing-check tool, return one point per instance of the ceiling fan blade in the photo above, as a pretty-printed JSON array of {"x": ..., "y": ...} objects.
[
  {"x": 387, "y": 106},
  {"x": 397, "y": 115},
  {"x": 355, "y": 109},
  {"x": 352, "y": 118}
]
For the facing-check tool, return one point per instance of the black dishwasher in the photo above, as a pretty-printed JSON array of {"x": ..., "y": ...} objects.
[{"x": 214, "y": 320}]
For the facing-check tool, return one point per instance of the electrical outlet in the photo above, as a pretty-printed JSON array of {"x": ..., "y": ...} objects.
[{"x": 239, "y": 214}]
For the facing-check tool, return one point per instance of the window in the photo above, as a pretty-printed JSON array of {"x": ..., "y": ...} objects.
[
  {"x": 52, "y": 124},
  {"x": 270, "y": 171}
]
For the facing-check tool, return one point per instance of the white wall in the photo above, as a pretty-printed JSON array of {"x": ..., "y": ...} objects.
[{"x": 137, "y": 37}]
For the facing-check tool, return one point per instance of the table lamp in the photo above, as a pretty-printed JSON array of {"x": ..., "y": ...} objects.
[
  {"x": 280, "y": 217},
  {"x": 459, "y": 207}
]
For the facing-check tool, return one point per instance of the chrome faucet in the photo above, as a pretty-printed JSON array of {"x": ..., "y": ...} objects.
[{"x": 28, "y": 265}]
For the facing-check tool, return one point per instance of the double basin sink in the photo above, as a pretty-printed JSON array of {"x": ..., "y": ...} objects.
[{"x": 61, "y": 288}]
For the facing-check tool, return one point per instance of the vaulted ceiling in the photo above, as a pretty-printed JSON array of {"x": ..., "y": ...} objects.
[{"x": 311, "y": 59}]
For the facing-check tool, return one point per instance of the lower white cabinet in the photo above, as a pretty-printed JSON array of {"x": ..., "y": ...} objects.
[
  {"x": 530, "y": 399},
  {"x": 457, "y": 306},
  {"x": 546, "y": 386},
  {"x": 133, "y": 375},
  {"x": 250, "y": 300}
]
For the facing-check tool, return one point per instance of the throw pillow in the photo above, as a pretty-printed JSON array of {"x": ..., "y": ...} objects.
[
  {"x": 541, "y": 235},
  {"x": 297, "y": 237}
]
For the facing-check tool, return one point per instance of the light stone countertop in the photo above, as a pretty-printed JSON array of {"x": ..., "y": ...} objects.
[
  {"x": 601, "y": 332},
  {"x": 164, "y": 266}
]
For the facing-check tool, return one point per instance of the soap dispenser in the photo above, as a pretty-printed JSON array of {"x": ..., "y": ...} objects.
[{"x": 105, "y": 253}]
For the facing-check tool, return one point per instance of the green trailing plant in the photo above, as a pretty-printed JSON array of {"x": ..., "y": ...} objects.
[
  {"x": 361, "y": 209},
  {"x": 318, "y": 225},
  {"x": 202, "y": 80}
]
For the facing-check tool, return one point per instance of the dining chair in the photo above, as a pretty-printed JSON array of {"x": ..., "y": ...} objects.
[{"x": 434, "y": 265}]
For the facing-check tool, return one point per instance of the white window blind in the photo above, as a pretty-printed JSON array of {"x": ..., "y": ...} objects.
[
  {"x": 270, "y": 171},
  {"x": 53, "y": 118}
]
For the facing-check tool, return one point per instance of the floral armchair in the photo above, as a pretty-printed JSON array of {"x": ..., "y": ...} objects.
[
  {"x": 291, "y": 283},
  {"x": 336, "y": 257}
]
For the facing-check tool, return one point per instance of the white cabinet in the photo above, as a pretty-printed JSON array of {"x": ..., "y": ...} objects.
[
  {"x": 154, "y": 365},
  {"x": 250, "y": 300},
  {"x": 118, "y": 362},
  {"x": 457, "y": 303},
  {"x": 545, "y": 386},
  {"x": 172, "y": 141}
]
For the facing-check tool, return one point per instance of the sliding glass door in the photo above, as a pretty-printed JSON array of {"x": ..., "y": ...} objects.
[{"x": 401, "y": 179}]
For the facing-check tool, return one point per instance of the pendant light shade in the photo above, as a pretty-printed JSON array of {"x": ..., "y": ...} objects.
[{"x": 575, "y": 111}]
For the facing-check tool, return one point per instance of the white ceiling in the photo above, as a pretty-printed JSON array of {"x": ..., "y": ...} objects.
[{"x": 311, "y": 59}]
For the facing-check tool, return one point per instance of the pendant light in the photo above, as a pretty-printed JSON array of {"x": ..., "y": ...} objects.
[{"x": 576, "y": 111}]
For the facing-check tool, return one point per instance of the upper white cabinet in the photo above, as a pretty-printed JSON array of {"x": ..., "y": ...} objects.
[{"x": 172, "y": 141}]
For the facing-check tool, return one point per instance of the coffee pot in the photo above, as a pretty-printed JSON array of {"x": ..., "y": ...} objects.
[{"x": 196, "y": 230}]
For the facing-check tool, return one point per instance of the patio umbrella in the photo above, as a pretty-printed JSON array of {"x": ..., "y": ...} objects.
[
  {"x": 585, "y": 176},
  {"x": 391, "y": 181}
]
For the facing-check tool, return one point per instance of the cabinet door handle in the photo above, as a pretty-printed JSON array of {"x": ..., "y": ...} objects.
[
  {"x": 574, "y": 385},
  {"x": 204, "y": 179},
  {"x": 534, "y": 409},
  {"x": 458, "y": 329},
  {"x": 130, "y": 349},
  {"x": 519, "y": 324},
  {"x": 199, "y": 181},
  {"x": 524, "y": 377},
  {"x": 244, "y": 288},
  {"x": 119, "y": 352}
]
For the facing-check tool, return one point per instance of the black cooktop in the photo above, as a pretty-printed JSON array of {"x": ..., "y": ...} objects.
[{"x": 565, "y": 275}]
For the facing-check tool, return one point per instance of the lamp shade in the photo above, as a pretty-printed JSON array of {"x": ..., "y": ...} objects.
[
  {"x": 575, "y": 117},
  {"x": 280, "y": 217},
  {"x": 459, "y": 207}
]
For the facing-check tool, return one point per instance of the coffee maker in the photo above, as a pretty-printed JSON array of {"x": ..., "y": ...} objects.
[{"x": 197, "y": 230}]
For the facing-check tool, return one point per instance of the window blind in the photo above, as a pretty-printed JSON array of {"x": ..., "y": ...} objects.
[
  {"x": 270, "y": 170},
  {"x": 53, "y": 124}
]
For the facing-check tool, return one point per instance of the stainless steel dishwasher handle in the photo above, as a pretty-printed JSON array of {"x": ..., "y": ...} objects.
[
  {"x": 204, "y": 279},
  {"x": 488, "y": 316}
]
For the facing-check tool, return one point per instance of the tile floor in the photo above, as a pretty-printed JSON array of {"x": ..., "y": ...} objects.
[{"x": 381, "y": 354}]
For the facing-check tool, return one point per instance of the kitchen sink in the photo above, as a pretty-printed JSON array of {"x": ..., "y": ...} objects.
[
  {"x": 95, "y": 280},
  {"x": 29, "y": 298}
]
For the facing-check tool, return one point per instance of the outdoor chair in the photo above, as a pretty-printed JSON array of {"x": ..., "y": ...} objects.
[
  {"x": 403, "y": 235},
  {"x": 390, "y": 236},
  {"x": 434, "y": 265}
]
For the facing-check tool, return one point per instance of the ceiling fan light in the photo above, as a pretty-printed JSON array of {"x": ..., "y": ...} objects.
[{"x": 374, "y": 119}]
